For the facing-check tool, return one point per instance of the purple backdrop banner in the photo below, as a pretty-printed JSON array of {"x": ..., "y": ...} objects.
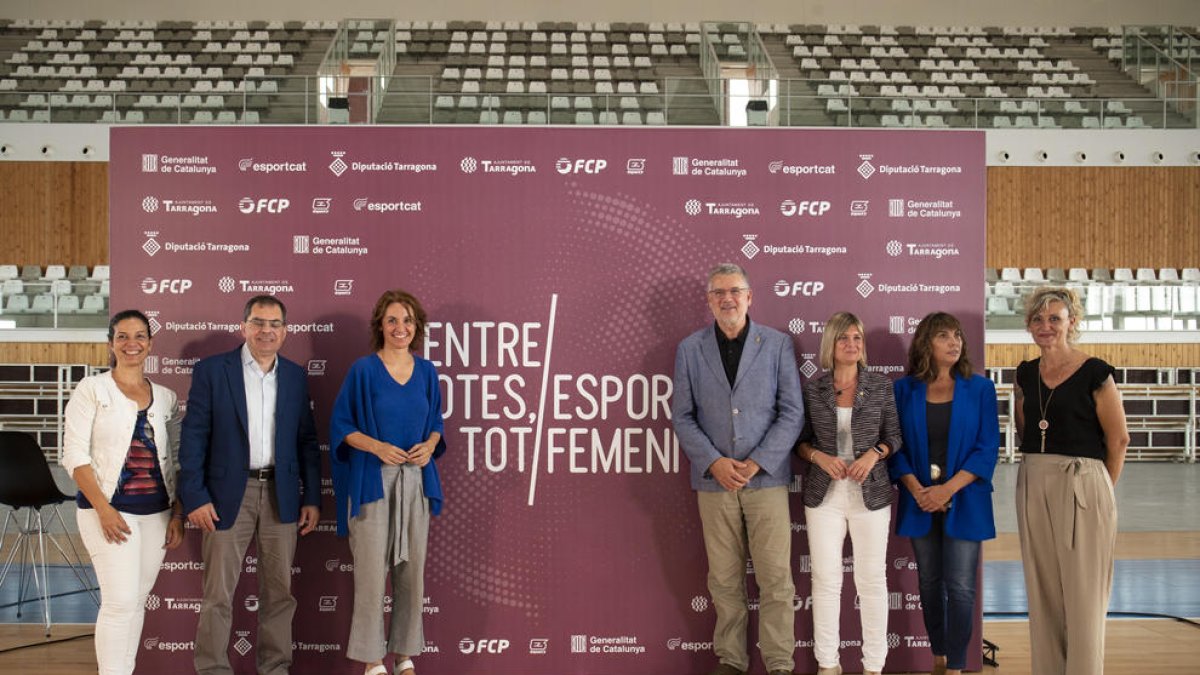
[{"x": 560, "y": 268}]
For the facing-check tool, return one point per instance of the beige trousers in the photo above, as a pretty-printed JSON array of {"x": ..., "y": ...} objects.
[
  {"x": 223, "y": 552},
  {"x": 753, "y": 524},
  {"x": 1067, "y": 520}
]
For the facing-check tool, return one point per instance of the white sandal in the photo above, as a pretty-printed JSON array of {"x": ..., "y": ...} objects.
[
  {"x": 377, "y": 670},
  {"x": 404, "y": 665}
]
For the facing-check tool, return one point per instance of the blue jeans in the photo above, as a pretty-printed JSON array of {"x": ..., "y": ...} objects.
[{"x": 946, "y": 568}]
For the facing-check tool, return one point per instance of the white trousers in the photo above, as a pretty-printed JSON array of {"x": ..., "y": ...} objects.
[
  {"x": 126, "y": 573},
  {"x": 842, "y": 510}
]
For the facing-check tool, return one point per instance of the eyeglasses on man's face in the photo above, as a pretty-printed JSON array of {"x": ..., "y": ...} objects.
[
  {"x": 263, "y": 324},
  {"x": 735, "y": 292}
]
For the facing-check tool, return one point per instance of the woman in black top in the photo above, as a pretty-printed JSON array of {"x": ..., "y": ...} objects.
[{"x": 1073, "y": 440}]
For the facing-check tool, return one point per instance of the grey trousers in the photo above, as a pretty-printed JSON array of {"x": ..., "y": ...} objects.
[
  {"x": 223, "y": 552},
  {"x": 1067, "y": 520},
  {"x": 755, "y": 524},
  {"x": 390, "y": 534}
]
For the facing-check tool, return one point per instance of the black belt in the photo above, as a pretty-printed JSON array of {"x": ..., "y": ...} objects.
[{"x": 263, "y": 475}]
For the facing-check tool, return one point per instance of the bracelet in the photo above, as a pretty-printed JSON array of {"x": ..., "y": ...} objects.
[
  {"x": 176, "y": 516},
  {"x": 881, "y": 451}
]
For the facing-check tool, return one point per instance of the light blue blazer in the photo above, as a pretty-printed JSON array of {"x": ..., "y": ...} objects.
[
  {"x": 758, "y": 418},
  {"x": 974, "y": 445}
]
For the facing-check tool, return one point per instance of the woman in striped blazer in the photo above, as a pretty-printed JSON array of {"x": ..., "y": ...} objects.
[{"x": 850, "y": 429}]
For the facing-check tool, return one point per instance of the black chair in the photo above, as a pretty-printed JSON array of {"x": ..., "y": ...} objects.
[{"x": 26, "y": 484}]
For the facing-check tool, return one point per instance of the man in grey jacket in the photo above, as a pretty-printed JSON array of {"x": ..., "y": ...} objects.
[{"x": 738, "y": 410}]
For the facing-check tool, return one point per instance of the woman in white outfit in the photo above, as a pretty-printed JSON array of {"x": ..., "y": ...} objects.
[
  {"x": 851, "y": 427},
  {"x": 120, "y": 444}
]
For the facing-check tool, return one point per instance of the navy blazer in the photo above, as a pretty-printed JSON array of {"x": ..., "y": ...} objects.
[
  {"x": 974, "y": 445},
  {"x": 757, "y": 418},
  {"x": 214, "y": 452}
]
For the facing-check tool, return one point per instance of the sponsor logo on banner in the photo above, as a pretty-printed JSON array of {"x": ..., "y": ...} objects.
[
  {"x": 538, "y": 646},
  {"x": 193, "y": 207},
  {"x": 265, "y": 287},
  {"x": 152, "y": 246},
  {"x": 319, "y": 647},
  {"x": 916, "y": 641},
  {"x": 725, "y": 167},
  {"x": 316, "y": 368},
  {"x": 750, "y": 249},
  {"x": 893, "y": 640},
  {"x": 803, "y": 208},
  {"x": 695, "y": 207},
  {"x": 249, "y": 164},
  {"x": 895, "y": 601},
  {"x": 778, "y": 166},
  {"x": 160, "y": 645},
  {"x": 339, "y": 166},
  {"x": 150, "y": 365},
  {"x": 483, "y": 645},
  {"x": 615, "y": 644},
  {"x": 904, "y": 563},
  {"x": 150, "y": 286},
  {"x": 321, "y": 205},
  {"x": 636, "y": 166},
  {"x": 327, "y": 603},
  {"x": 335, "y": 564},
  {"x": 511, "y": 167},
  {"x": 801, "y": 602},
  {"x": 896, "y": 325},
  {"x": 804, "y": 566},
  {"x": 365, "y": 204},
  {"x": 866, "y": 169},
  {"x": 304, "y": 244},
  {"x": 859, "y": 207},
  {"x": 942, "y": 209},
  {"x": 682, "y": 645},
  {"x": 785, "y": 288},
  {"x": 865, "y": 287},
  {"x": 566, "y": 165},
  {"x": 427, "y": 606},
  {"x": 153, "y": 602},
  {"x": 796, "y": 485},
  {"x": 931, "y": 250},
  {"x": 343, "y": 286},
  {"x": 807, "y": 367},
  {"x": 274, "y": 205},
  {"x": 155, "y": 326},
  {"x": 699, "y": 603},
  {"x": 242, "y": 645},
  {"x": 198, "y": 164},
  {"x": 251, "y": 603},
  {"x": 430, "y": 648},
  {"x": 796, "y": 326}
]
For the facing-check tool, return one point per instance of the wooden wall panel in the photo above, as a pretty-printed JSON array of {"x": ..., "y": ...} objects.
[
  {"x": 54, "y": 353},
  {"x": 54, "y": 213},
  {"x": 1093, "y": 217},
  {"x": 1125, "y": 355}
]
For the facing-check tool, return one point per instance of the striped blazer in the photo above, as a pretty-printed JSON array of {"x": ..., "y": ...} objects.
[{"x": 873, "y": 421}]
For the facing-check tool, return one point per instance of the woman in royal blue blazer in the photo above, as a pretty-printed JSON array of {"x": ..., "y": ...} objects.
[{"x": 951, "y": 442}]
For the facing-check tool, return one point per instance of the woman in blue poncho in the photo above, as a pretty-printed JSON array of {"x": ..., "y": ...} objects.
[{"x": 386, "y": 432}]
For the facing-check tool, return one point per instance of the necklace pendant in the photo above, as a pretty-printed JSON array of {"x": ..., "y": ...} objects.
[{"x": 1043, "y": 425}]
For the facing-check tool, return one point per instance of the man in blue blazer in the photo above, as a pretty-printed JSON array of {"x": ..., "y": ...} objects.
[
  {"x": 250, "y": 467},
  {"x": 737, "y": 410}
]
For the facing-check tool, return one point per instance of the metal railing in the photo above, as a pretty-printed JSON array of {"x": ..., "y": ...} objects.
[{"x": 1111, "y": 305}]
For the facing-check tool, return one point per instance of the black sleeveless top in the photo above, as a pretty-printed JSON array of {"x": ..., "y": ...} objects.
[{"x": 1070, "y": 409}]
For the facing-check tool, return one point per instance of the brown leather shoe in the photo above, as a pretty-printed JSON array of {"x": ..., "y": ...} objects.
[
  {"x": 781, "y": 671},
  {"x": 726, "y": 669}
]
